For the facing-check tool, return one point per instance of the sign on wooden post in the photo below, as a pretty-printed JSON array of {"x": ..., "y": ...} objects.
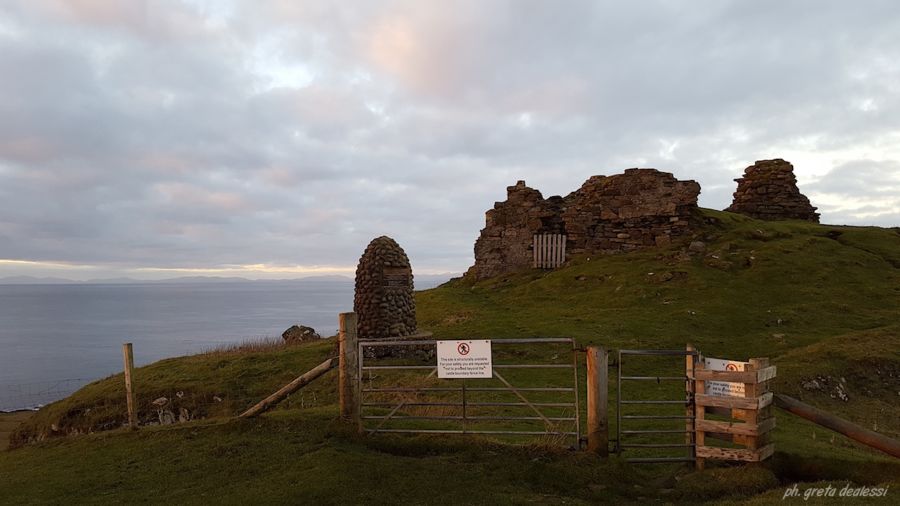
[{"x": 739, "y": 391}]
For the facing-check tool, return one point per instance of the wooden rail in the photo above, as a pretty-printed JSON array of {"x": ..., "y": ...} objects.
[
  {"x": 290, "y": 388},
  {"x": 829, "y": 421}
]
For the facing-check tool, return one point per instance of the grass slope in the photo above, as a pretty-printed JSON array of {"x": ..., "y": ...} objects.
[{"x": 822, "y": 302}]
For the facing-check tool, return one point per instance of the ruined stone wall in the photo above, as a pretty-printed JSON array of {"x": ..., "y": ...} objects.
[
  {"x": 640, "y": 208},
  {"x": 768, "y": 191},
  {"x": 625, "y": 212},
  {"x": 505, "y": 242},
  {"x": 384, "y": 301}
]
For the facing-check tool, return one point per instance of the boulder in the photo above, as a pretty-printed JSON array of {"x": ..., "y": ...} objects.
[{"x": 300, "y": 334}]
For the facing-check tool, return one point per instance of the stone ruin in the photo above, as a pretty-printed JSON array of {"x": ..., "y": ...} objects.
[
  {"x": 625, "y": 212},
  {"x": 384, "y": 301},
  {"x": 768, "y": 191},
  {"x": 608, "y": 214}
]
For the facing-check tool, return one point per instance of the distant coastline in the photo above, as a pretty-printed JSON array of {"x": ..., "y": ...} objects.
[{"x": 426, "y": 280}]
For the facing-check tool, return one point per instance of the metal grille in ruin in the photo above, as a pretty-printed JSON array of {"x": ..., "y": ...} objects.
[
  {"x": 659, "y": 428},
  {"x": 549, "y": 250},
  {"x": 404, "y": 395}
]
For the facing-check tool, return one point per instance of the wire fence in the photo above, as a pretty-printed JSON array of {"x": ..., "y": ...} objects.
[{"x": 32, "y": 396}]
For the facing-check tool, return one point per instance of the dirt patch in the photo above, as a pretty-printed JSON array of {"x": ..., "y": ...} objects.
[{"x": 8, "y": 423}]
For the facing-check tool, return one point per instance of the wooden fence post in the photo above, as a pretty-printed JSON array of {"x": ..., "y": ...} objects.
[
  {"x": 128, "y": 356},
  {"x": 349, "y": 368},
  {"x": 597, "y": 399}
]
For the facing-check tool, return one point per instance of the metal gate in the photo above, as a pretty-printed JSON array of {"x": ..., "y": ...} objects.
[
  {"x": 400, "y": 391},
  {"x": 644, "y": 441}
]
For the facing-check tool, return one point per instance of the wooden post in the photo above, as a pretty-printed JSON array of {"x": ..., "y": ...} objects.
[
  {"x": 128, "y": 356},
  {"x": 753, "y": 390},
  {"x": 597, "y": 400},
  {"x": 349, "y": 368}
]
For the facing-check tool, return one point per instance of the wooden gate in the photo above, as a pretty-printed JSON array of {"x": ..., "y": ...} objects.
[{"x": 549, "y": 251}]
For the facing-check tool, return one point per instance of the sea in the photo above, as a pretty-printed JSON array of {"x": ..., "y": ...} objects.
[{"x": 56, "y": 338}]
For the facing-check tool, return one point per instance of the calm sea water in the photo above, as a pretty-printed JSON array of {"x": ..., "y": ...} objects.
[{"x": 60, "y": 332}]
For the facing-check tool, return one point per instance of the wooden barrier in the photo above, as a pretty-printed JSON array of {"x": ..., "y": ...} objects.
[
  {"x": 750, "y": 420},
  {"x": 282, "y": 393},
  {"x": 548, "y": 251}
]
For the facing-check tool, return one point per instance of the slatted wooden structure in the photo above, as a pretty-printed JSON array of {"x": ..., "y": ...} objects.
[
  {"x": 549, "y": 251},
  {"x": 750, "y": 420}
]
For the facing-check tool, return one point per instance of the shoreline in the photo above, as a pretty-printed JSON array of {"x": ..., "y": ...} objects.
[{"x": 9, "y": 421}]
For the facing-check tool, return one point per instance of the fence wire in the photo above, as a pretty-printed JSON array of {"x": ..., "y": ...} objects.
[{"x": 32, "y": 396}]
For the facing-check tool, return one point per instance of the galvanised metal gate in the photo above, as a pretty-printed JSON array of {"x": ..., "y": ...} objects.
[
  {"x": 648, "y": 412},
  {"x": 536, "y": 394}
]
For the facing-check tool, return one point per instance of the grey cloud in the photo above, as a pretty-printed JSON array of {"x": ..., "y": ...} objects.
[
  {"x": 862, "y": 178},
  {"x": 141, "y": 134}
]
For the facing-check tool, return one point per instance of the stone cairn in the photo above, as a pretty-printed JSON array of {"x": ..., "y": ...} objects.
[
  {"x": 768, "y": 191},
  {"x": 608, "y": 214},
  {"x": 384, "y": 300}
]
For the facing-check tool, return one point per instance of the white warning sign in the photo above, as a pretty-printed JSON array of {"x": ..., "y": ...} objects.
[
  {"x": 464, "y": 359},
  {"x": 724, "y": 388}
]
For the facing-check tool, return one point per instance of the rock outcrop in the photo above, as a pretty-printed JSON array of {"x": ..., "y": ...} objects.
[
  {"x": 608, "y": 214},
  {"x": 300, "y": 334},
  {"x": 384, "y": 300},
  {"x": 768, "y": 191}
]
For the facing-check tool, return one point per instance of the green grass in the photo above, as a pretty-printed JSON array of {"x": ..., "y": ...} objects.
[{"x": 819, "y": 301}]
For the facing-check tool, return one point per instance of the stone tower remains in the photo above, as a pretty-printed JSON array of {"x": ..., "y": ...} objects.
[{"x": 768, "y": 191}]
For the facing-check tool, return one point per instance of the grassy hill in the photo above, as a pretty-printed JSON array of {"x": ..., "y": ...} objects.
[{"x": 822, "y": 302}]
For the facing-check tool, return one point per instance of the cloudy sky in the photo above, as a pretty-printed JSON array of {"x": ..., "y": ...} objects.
[{"x": 276, "y": 138}]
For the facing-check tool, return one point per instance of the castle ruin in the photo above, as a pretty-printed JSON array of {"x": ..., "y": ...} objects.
[
  {"x": 625, "y": 212},
  {"x": 608, "y": 214}
]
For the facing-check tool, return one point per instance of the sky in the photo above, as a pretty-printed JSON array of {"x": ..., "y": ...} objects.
[{"x": 275, "y": 139}]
